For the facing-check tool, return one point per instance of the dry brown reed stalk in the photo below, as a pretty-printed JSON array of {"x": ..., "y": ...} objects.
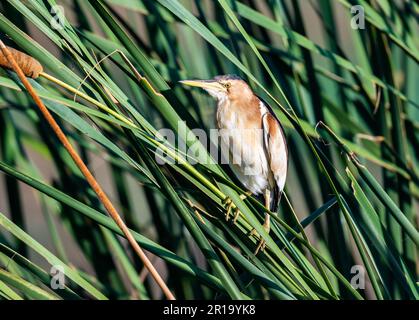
[{"x": 23, "y": 65}]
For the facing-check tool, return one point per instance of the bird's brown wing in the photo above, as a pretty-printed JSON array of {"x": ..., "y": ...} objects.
[
  {"x": 277, "y": 153},
  {"x": 279, "y": 122}
]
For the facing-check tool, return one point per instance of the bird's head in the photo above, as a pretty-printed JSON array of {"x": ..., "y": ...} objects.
[{"x": 231, "y": 87}]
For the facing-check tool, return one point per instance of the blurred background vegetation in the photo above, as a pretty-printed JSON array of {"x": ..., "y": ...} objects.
[{"x": 347, "y": 98}]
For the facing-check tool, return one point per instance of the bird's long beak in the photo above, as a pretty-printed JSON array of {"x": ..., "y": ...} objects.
[{"x": 204, "y": 84}]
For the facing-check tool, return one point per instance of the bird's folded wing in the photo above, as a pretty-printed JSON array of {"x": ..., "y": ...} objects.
[{"x": 276, "y": 149}]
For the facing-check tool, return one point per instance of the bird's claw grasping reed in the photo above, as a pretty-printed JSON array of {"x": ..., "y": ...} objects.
[
  {"x": 262, "y": 243},
  {"x": 261, "y": 246},
  {"x": 236, "y": 215},
  {"x": 228, "y": 204}
]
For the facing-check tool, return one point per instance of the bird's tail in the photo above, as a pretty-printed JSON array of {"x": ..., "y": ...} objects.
[{"x": 275, "y": 199}]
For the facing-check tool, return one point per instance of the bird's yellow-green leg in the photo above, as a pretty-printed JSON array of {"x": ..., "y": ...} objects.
[
  {"x": 228, "y": 204},
  {"x": 266, "y": 224}
]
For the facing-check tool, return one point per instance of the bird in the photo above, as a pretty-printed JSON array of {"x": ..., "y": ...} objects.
[{"x": 251, "y": 132}]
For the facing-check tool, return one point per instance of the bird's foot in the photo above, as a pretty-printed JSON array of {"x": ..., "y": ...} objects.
[
  {"x": 228, "y": 205},
  {"x": 245, "y": 195},
  {"x": 236, "y": 215},
  {"x": 261, "y": 246},
  {"x": 262, "y": 243}
]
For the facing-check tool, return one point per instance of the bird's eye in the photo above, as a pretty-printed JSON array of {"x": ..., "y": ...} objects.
[{"x": 227, "y": 85}]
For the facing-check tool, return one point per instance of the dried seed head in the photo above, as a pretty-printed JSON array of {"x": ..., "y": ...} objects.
[{"x": 30, "y": 66}]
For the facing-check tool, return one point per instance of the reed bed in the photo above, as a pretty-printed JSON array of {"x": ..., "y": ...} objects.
[{"x": 102, "y": 82}]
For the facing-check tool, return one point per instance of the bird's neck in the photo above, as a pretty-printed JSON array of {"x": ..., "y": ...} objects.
[
  {"x": 224, "y": 113},
  {"x": 237, "y": 113}
]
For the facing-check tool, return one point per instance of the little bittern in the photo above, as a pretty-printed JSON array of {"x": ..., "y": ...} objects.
[{"x": 253, "y": 134}]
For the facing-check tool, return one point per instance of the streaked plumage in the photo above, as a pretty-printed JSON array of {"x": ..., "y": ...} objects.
[{"x": 252, "y": 133}]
